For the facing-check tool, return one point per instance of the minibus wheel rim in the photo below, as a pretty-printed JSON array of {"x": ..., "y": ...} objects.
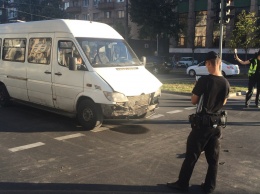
[{"x": 88, "y": 114}]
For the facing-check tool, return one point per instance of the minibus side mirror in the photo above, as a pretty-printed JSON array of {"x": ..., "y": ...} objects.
[
  {"x": 72, "y": 63},
  {"x": 144, "y": 60}
]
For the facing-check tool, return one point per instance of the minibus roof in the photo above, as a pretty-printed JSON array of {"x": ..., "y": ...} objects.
[{"x": 79, "y": 28}]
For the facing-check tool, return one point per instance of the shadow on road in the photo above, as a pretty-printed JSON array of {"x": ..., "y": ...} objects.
[
  {"x": 130, "y": 129},
  {"x": 57, "y": 188}
]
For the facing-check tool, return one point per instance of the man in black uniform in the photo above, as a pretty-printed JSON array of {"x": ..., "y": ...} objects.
[
  {"x": 206, "y": 127},
  {"x": 253, "y": 77}
]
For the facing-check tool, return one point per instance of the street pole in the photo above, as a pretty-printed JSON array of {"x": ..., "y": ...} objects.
[
  {"x": 157, "y": 46},
  {"x": 221, "y": 28},
  {"x": 31, "y": 10},
  {"x": 221, "y": 32},
  {"x": 126, "y": 21}
]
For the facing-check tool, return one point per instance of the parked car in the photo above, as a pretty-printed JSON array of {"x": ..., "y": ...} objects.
[
  {"x": 228, "y": 69},
  {"x": 186, "y": 62},
  {"x": 158, "y": 64}
]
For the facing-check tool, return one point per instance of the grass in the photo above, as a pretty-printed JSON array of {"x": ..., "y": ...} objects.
[{"x": 180, "y": 87}]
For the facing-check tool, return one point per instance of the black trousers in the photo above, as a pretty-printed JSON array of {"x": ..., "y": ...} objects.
[
  {"x": 252, "y": 82},
  {"x": 201, "y": 139}
]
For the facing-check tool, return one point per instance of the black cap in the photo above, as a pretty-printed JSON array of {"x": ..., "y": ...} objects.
[
  {"x": 211, "y": 55},
  {"x": 258, "y": 53}
]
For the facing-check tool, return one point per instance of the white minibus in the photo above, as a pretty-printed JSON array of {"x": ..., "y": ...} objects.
[{"x": 77, "y": 68}]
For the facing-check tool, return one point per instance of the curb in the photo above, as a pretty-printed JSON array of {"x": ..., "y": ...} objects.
[
  {"x": 237, "y": 94},
  {"x": 178, "y": 93},
  {"x": 189, "y": 94},
  {"x": 240, "y": 93}
]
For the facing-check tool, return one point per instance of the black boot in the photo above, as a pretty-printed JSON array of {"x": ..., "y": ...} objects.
[{"x": 177, "y": 186}]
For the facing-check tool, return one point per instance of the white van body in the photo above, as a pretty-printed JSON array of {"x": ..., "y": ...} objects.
[{"x": 38, "y": 65}]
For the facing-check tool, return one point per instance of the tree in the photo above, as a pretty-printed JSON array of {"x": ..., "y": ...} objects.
[
  {"x": 53, "y": 9},
  {"x": 245, "y": 32},
  {"x": 33, "y": 10},
  {"x": 120, "y": 28},
  {"x": 154, "y": 17}
]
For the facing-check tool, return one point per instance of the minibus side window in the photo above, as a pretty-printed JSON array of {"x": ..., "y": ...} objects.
[
  {"x": 66, "y": 51},
  {"x": 39, "y": 50},
  {"x": 14, "y": 49}
]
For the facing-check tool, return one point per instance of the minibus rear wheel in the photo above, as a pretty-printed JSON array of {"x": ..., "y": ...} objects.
[
  {"x": 4, "y": 96},
  {"x": 89, "y": 114}
]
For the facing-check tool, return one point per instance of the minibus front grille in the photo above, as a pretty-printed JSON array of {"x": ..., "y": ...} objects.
[
  {"x": 138, "y": 101},
  {"x": 135, "y": 107}
]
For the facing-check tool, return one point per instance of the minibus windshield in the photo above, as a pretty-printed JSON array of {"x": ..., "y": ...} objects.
[{"x": 108, "y": 52}]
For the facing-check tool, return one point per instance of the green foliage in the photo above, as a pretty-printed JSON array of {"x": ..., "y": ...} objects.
[
  {"x": 120, "y": 28},
  {"x": 245, "y": 32},
  {"x": 33, "y": 10},
  {"x": 154, "y": 17}
]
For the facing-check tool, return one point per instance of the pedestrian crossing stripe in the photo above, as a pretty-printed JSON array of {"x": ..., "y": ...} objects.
[
  {"x": 175, "y": 111},
  {"x": 69, "y": 136},
  {"x": 25, "y": 147}
]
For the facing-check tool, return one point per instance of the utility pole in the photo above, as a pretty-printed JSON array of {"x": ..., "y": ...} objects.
[
  {"x": 126, "y": 21},
  {"x": 157, "y": 45},
  {"x": 31, "y": 10},
  {"x": 221, "y": 28}
]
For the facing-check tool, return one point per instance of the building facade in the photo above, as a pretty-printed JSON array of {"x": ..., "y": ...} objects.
[
  {"x": 201, "y": 31},
  {"x": 8, "y": 12},
  {"x": 112, "y": 12},
  {"x": 115, "y": 14}
]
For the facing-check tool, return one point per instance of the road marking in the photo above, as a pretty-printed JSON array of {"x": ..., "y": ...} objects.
[
  {"x": 156, "y": 116},
  {"x": 190, "y": 108},
  {"x": 175, "y": 111},
  {"x": 25, "y": 147},
  {"x": 69, "y": 136}
]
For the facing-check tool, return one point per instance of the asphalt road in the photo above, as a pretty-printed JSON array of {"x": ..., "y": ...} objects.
[{"x": 46, "y": 153}]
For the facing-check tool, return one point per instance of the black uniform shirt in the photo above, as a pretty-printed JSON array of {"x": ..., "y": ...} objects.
[{"x": 215, "y": 89}]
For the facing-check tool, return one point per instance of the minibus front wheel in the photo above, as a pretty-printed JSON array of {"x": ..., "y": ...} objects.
[
  {"x": 4, "y": 96},
  {"x": 89, "y": 114}
]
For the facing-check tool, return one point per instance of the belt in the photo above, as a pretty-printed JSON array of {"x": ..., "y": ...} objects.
[{"x": 208, "y": 120}]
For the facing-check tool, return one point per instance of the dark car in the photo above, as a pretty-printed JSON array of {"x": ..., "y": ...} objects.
[{"x": 158, "y": 64}]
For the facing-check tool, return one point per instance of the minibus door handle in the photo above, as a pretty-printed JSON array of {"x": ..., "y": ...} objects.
[
  {"x": 59, "y": 74},
  {"x": 47, "y": 72}
]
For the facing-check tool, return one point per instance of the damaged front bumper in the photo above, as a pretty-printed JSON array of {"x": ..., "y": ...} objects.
[{"x": 135, "y": 107}]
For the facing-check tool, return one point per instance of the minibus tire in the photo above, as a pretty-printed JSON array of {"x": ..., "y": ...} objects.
[
  {"x": 89, "y": 114},
  {"x": 4, "y": 96}
]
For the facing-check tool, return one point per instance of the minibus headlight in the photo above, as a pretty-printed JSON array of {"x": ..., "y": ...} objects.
[
  {"x": 115, "y": 97},
  {"x": 157, "y": 93}
]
